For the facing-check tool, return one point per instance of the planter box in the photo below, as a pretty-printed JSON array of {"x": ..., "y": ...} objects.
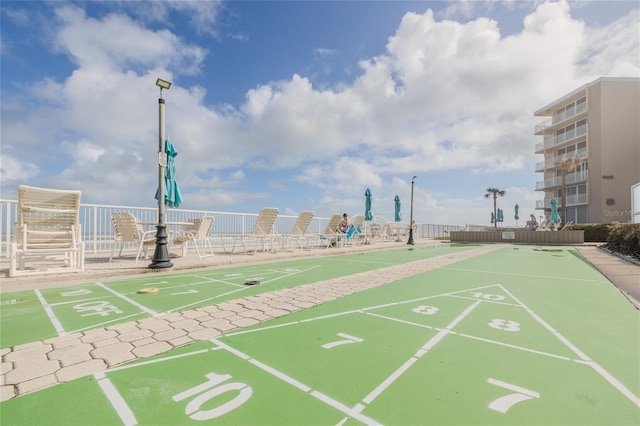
[{"x": 521, "y": 237}]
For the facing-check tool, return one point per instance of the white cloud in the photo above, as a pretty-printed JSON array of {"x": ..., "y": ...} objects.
[{"x": 442, "y": 95}]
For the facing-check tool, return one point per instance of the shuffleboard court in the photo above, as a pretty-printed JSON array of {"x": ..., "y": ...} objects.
[
  {"x": 40, "y": 314},
  {"x": 518, "y": 336}
]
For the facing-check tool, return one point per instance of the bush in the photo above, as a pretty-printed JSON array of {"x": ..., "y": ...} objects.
[
  {"x": 624, "y": 238},
  {"x": 593, "y": 232}
]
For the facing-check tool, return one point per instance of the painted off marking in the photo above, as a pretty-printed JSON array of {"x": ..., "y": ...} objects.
[
  {"x": 52, "y": 317},
  {"x": 131, "y": 301},
  {"x": 117, "y": 402}
]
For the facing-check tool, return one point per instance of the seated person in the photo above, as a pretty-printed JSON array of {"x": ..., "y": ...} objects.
[{"x": 344, "y": 225}]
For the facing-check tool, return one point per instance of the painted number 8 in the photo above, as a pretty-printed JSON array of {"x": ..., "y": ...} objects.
[
  {"x": 505, "y": 325},
  {"x": 210, "y": 389},
  {"x": 425, "y": 310}
]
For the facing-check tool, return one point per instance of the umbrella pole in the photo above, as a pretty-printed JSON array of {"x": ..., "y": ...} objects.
[
  {"x": 161, "y": 257},
  {"x": 411, "y": 215}
]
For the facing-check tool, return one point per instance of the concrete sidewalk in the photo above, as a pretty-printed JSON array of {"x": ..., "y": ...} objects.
[
  {"x": 38, "y": 365},
  {"x": 623, "y": 273}
]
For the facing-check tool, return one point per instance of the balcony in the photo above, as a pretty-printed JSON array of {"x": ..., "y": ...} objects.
[
  {"x": 552, "y": 141},
  {"x": 572, "y": 200},
  {"x": 580, "y": 154},
  {"x": 571, "y": 178}
]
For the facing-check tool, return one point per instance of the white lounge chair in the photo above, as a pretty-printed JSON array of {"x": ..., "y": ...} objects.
[
  {"x": 47, "y": 232},
  {"x": 330, "y": 237},
  {"x": 262, "y": 233},
  {"x": 298, "y": 234}
]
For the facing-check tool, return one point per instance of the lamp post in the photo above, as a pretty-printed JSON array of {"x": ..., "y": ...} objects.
[
  {"x": 161, "y": 257},
  {"x": 411, "y": 215}
]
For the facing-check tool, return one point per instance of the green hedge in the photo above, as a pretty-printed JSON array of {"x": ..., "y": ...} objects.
[
  {"x": 624, "y": 238},
  {"x": 593, "y": 232}
]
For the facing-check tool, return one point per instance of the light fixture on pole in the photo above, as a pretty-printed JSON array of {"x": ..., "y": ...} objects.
[
  {"x": 161, "y": 258},
  {"x": 411, "y": 215}
]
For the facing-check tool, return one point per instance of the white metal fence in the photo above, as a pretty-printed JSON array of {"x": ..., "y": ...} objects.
[{"x": 97, "y": 232}]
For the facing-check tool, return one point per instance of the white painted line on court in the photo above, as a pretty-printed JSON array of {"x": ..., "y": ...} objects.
[
  {"x": 546, "y": 325},
  {"x": 346, "y": 410},
  {"x": 457, "y": 296},
  {"x": 230, "y": 349},
  {"x": 117, "y": 402},
  {"x": 400, "y": 320},
  {"x": 420, "y": 299},
  {"x": 615, "y": 382},
  {"x": 285, "y": 378},
  {"x": 514, "y": 388},
  {"x": 102, "y": 324},
  {"x": 389, "y": 380},
  {"x": 242, "y": 288},
  {"x": 57, "y": 325},
  {"x": 297, "y": 384},
  {"x": 154, "y": 361},
  {"x": 544, "y": 277},
  {"x": 126, "y": 299},
  {"x": 520, "y": 348},
  {"x": 427, "y": 346}
]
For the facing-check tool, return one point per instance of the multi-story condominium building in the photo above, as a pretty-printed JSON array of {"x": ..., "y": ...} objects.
[{"x": 591, "y": 148}]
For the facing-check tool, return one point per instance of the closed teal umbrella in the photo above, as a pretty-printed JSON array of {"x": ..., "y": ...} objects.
[
  {"x": 398, "y": 205},
  {"x": 516, "y": 208},
  {"x": 367, "y": 205},
  {"x": 555, "y": 217},
  {"x": 172, "y": 194}
]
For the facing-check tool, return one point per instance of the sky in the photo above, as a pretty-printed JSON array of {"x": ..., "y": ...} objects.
[{"x": 299, "y": 105}]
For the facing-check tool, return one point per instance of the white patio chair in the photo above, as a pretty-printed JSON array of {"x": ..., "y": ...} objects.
[
  {"x": 197, "y": 233},
  {"x": 47, "y": 232},
  {"x": 127, "y": 229}
]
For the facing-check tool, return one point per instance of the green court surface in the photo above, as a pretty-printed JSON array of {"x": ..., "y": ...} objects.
[
  {"x": 37, "y": 315},
  {"x": 519, "y": 336}
]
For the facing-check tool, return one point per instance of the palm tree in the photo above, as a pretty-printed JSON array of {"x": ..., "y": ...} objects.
[
  {"x": 566, "y": 165},
  {"x": 493, "y": 193}
]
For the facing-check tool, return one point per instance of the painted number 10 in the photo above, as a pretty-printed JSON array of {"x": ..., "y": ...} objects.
[
  {"x": 210, "y": 389},
  {"x": 488, "y": 296}
]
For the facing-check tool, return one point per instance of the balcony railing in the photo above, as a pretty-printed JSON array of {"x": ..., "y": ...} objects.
[
  {"x": 560, "y": 117},
  {"x": 551, "y": 141},
  {"x": 580, "y": 154}
]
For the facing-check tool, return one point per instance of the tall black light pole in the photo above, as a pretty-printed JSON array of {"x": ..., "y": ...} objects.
[
  {"x": 161, "y": 258},
  {"x": 411, "y": 215}
]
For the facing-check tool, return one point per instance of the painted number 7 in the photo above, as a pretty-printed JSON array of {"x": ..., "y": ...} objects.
[
  {"x": 504, "y": 403},
  {"x": 210, "y": 389}
]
